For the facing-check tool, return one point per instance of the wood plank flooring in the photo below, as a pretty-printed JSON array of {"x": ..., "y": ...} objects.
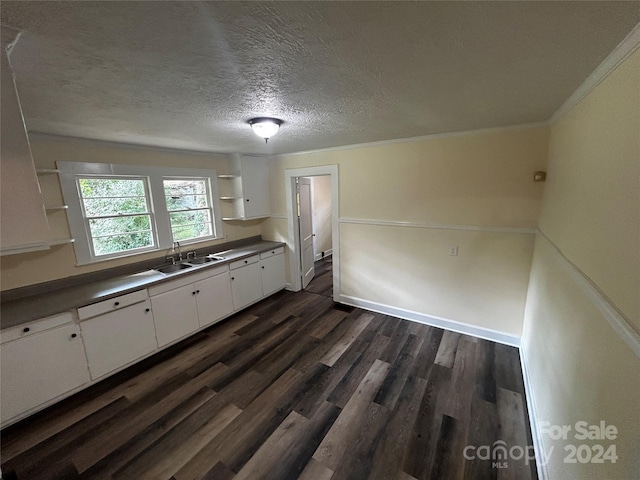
[
  {"x": 295, "y": 387},
  {"x": 322, "y": 282}
]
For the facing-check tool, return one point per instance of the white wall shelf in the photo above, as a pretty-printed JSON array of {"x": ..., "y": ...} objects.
[
  {"x": 246, "y": 189},
  {"x": 56, "y": 207},
  {"x": 47, "y": 171},
  {"x": 61, "y": 241}
]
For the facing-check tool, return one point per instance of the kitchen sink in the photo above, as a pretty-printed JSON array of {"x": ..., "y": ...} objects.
[
  {"x": 201, "y": 260},
  {"x": 176, "y": 267}
]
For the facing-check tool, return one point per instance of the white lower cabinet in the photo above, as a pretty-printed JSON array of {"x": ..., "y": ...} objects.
[
  {"x": 175, "y": 314},
  {"x": 246, "y": 282},
  {"x": 50, "y": 358},
  {"x": 183, "y": 305},
  {"x": 40, "y": 366},
  {"x": 118, "y": 338},
  {"x": 214, "y": 298},
  {"x": 273, "y": 272}
]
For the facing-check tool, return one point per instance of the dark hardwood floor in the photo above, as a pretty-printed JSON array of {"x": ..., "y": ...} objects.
[
  {"x": 322, "y": 282},
  {"x": 295, "y": 387}
]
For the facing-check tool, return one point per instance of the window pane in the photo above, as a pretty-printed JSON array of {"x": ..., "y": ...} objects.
[
  {"x": 187, "y": 218},
  {"x": 110, "y": 187},
  {"x": 185, "y": 187},
  {"x": 118, "y": 225},
  {"x": 187, "y": 202},
  {"x": 191, "y": 231},
  {"x": 97, "y": 207},
  {"x": 121, "y": 243}
]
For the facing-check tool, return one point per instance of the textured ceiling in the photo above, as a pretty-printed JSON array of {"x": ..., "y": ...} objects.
[{"x": 190, "y": 74}]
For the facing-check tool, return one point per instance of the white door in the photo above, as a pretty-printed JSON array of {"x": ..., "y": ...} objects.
[{"x": 306, "y": 230}]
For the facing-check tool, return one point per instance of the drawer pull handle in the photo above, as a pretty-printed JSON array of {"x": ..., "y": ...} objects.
[
  {"x": 147, "y": 310},
  {"x": 116, "y": 304},
  {"x": 193, "y": 293},
  {"x": 74, "y": 335},
  {"x": 233, "y": 278},
  {"x": 246, "y": 261},
  {"x": 248, "y": 199},
  {"x": 263, "y": 267},
  {"x": 26, "y": 329},
  {"x": 197, "y": 291}
]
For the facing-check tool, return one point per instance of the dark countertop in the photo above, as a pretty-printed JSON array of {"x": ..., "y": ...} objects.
[{"x": 23, "y": 310}]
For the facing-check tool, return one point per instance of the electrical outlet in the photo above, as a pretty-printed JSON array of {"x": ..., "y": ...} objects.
[{"x": 453, "y": 250}]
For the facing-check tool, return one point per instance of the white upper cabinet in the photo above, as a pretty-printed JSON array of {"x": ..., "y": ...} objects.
[
  {"x": 24, "y": 221},
  {"x": 246, "y": 189}
]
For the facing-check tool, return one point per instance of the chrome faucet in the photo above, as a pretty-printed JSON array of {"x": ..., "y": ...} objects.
[{"x": 177, "y": 245}]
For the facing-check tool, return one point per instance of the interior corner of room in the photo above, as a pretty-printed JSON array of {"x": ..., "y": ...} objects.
[{"x": 447, "y": 229}]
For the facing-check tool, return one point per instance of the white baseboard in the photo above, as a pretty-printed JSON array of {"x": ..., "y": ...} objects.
[
  {"x": 474, "y": 331},
  {"x": 327, "y": 253},
  {"x": 543, "y": 472}
]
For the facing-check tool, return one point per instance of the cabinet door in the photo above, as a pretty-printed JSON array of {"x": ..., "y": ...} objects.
[
  {"x": 175, "y": 314},
  {"x": 24, "y": 222},
  {"x": 116, "y": 339},
  {"x": 39, "y": 368},
  {"x": 214, "y": 298},
  {"x": 273, "y": 274},
  {"x": 246, "y": 285},
  {"x": 255, "y": 187}
]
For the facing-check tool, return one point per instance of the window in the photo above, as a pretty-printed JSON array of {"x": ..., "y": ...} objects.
[
  {"x": 120, "y": 210},
  {"x": 189, "y": 208},
  {"x": 117, "y": 214}
]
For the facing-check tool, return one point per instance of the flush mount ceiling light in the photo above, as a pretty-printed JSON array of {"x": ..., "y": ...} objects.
[{"x": 265, "y": 127}]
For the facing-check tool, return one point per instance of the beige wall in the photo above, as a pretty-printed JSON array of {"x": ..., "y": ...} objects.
[
  {"x": 321, "y": 204},
  {"x": 579, "y": 367},
  {"x": 592, "y": 196},
  {"x": 482, "y": 179},
  {"x": 59, "y": 261}
]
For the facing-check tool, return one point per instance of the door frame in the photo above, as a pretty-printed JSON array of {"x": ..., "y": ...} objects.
[{"x": 295, "y": 269}]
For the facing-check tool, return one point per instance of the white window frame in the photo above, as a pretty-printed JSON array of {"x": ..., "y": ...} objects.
[
  {"x": 150, "y": 213},
  {"x": 69, "y": 171},
  {"x": 210, "y": 207}
]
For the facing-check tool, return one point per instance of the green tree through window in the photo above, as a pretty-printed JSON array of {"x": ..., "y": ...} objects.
[
  {"x": 117, "y": 213},
  {"x": 189, "y": 207}
]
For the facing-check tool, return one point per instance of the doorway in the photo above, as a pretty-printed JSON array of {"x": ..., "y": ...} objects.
[{"x": 307, "y": 243}]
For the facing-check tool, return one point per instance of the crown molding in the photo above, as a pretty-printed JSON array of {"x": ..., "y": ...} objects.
[
  {"x": 433, "y": 136},
  {"x": 109, "y": 143},
  {"x": 619, "y": 54}
]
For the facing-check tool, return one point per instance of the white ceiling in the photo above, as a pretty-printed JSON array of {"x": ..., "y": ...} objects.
[{"x": 190, "y": 74}]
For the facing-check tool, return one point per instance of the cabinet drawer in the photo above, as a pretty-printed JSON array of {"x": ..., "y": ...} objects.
[
  {"x": 36, "y": 326},
  {"x": 271, "y": 253},
  {"x": 186, "y": 279},
  {"x": 243, "y": 262},
  {"x": 112, "y": 304}
]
